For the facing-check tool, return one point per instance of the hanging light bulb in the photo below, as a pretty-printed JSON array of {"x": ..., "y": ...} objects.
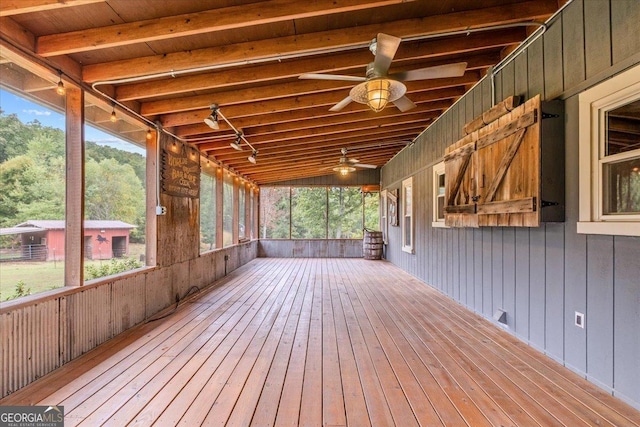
[
  {"x": 113, "y": 117},
  {"x": 149, "y": 135},
  {"x": 60, "y": 90},
  {"x": 252, "y": 157},
  {"x": 236, "y": 145},
  {"x": 378, "y": 92}
]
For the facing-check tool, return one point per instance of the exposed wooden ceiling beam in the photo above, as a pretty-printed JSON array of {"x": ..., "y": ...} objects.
[
  {"x": 227, "y": 18},
  {"x": 279, "y": 89},
  {"x": 357, "y": 60},
  {"x": 16, "y": 7},
  {"x": 316, "y": 42},
  {"x": 304, "y": 101}
]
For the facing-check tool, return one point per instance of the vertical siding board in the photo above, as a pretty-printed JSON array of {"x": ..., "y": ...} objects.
[
  {"x": 470, "y": 263},
  {"x": 599, "y": 315},
  {"x": 508, "y": 81},
  {"x": 487, "y": 271},
  {"x": 522, "y": 250},
  {"x": 456, "y": 262},
  {"x": 477, "y": 101},
  {"x": 520, "y": 65},
  {"x": 497, "y": 86},
  {"x": 597, "y": 37},
  {"x": 536, "y": 71},
  {"x": 537, "y": 274},
  {"x": 462, "y": 119},
  {"x": 573, "y": 54},
  {"x": 485, "y": 88},
  {"x": 575, "y": 253},
  {"x": 553, "y": 76},
  {"x": 497, "y": 268},
  {"x": 625, "y": 39},
  {"x": 477, "y": 269},
  {"x": 626, "y": 337},
  {"x": 509, "y": 274},
  {"x": 554, "y": 295}
]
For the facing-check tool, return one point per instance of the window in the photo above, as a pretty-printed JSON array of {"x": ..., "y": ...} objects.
[
  {"x": 345, "y": 213},
  {"x": 407, "y": 215},
  {"x": 317, "y": 212},
  {"x": 384, "y": 223},
  {"x": 242, "y": 215},
  {"x": 438, "y": 195},
  {"x": 609, "y": 192},
  {"x": 371, "y": 210},
  {"x": 208, "y": 184},
  {"x": 227, "y": 210},
  {"x": 275, "y": 213},
  {"x": 309, "y": 213}
]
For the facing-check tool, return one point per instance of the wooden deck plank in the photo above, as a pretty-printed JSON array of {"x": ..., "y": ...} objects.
[
  {"x": 288, "y": 410},
  {"x": 203, "y": 339},
  {"x": 270, "y": 394},
  {"x": 320, "y": 342},
  {"x": 237, "y": 401},
  {"x": 312, "y": 382},
  {"x": 354, "y": 401}
]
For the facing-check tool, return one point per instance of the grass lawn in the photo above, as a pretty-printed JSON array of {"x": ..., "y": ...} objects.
[{"x": 42, "y": 276}]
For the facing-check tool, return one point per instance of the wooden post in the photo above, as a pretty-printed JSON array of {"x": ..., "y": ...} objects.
[
  {"x": 153, "y": 175},
  {"x": 74, "y": 188}
]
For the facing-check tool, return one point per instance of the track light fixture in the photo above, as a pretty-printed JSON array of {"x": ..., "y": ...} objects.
[
  {"x": 252, "y": 157},
  {"x": 212, "y": 119},
  {"x": 236, "y": 145},
  {"x": 60, "y": 90}
]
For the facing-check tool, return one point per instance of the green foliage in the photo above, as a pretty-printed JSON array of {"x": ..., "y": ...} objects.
[
  {"x": 20, "y": 290},
  {"x": 32, "y": 178},
  {"x": 309, "y": 213},
  {"x": 345, "y": 213},
  {"x": 114, "y": 266},
  {"x": 207, "y": 212}
]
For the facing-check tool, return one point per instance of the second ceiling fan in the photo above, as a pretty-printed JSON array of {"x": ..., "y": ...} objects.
[{"x": 379, "y": 88}]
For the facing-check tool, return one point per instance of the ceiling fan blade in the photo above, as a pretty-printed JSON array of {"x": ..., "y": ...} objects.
[
  {"x": 362, "y": 165},
  {"x": 354, "y": 161},
  {"x": 313, "y": 76},
  {"x": 437, "y": 72},
  {"x": 386, "y": 47},
  {"x": 340, "y": 105},
  {"x": 404, "y": 104}
]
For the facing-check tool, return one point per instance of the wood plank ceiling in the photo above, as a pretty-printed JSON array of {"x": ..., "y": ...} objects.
[{"x": 170, "y": 60}]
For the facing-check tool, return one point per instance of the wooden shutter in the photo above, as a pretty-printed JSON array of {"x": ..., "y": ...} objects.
[
  {"x": 508, "y": 152},
  {"x": 492, "y": 175},
  {"x": 460, "y": 183}
]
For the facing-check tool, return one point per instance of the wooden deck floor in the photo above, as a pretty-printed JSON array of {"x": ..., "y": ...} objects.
[{"x": 321, "y": 342}]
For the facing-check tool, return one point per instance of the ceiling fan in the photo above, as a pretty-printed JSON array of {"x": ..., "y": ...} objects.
[
  {"x": 346, "y": 165},
  {"x": 378, "y": 87}
]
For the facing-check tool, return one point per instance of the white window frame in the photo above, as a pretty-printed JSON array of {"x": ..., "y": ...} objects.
[
  {"x": 438, "y": 171},
  {"x": 384, "y": 221},
  {"x": 407, "y": 188},
  {"x": 594, "y": 103}
]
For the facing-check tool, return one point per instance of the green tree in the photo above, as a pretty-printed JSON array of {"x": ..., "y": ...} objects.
[
  {"x": 309, "y": 213},
  {"x": 113, "y": 192}
]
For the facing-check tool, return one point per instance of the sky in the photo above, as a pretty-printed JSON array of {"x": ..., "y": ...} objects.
[{"x": 28, "y": 111}]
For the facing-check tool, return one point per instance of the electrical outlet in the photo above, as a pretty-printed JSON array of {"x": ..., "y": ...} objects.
[
  {"x": 579, "y": 319},
  {"x": 161, "y": 210}
]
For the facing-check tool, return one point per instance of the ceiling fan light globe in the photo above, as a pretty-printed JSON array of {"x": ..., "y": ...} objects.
[
  {"x": 378, "y": 93},
  {"x": 344, "y": 169}
]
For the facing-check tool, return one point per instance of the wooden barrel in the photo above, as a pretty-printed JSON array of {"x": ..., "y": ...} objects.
[{"x": 372, "y": 244}]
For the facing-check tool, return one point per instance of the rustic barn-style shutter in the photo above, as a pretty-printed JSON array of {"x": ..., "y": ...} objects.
[
  {"x": 493, "y": 176},
  {"x": 509, "y": 168},
  {"x": 460, "y": 183}
]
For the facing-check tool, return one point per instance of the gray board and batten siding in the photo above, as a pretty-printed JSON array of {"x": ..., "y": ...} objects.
[{"x": 540, "y": 276}]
